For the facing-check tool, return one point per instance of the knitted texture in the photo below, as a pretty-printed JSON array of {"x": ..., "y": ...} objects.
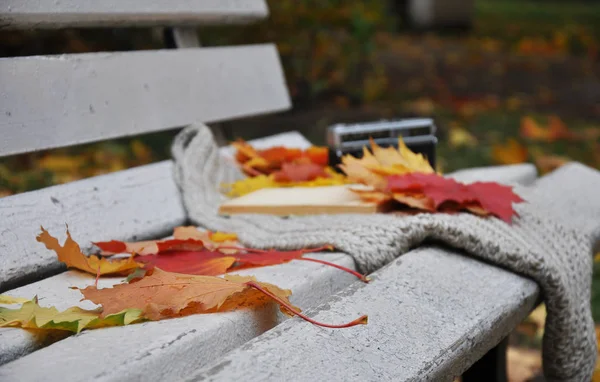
[{"x": 550, "y": 242}]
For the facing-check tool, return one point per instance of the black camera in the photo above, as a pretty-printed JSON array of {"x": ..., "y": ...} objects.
[{"x": 417, "y": 133}]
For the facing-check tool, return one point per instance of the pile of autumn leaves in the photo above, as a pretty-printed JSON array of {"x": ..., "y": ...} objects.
[
  {"x": 396, "y": 178},
  {"x": 282, "y": 167},
  {"x": 166, "y": 278}
]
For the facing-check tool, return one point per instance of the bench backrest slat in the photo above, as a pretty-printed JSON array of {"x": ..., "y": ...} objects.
[
  {"x": 20, "y": 14},
  {"x": 57, "y": 101}
]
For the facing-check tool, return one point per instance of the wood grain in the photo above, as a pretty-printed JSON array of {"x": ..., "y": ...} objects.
[
  {"x": 25, "y": 14},
  {"x": 57, "y": 101}
]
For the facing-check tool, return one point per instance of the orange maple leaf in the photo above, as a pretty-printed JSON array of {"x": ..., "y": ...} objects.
[
  {"x": 71, "y": 255},
  {"x": 164, "y": 294},
  {"x": 372, "y": 169}
]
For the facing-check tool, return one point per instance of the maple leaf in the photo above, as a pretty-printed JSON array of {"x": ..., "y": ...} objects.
[
  {"x": 207, "y": 263},
  {"x": 248, "y": 258},
  {"x": 318, "y": 155},
  {"x": 71, "y": 255},
  {"x": 211, "y": 256},
  {"x": 256, "y": 162},
  {"x": 32, "y": 316},
  {"x": 164, "y": 294},
  {"x": 481, "y": 198},
  {"x": 299, "y": 172},
  {"x": 251, "y": 184},
  {"x": 372, "y": 168},
  {"x": 6, "y": 299},
  {"x": 212, "y": 240},
  {"x": 149, "y": 247}
]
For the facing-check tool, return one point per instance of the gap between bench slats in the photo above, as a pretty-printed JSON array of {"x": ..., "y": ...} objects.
[
  {"x": 133, "y": 204},
  {"x": 57, "y": 101},
  {"x": 25, "y": 14},
  {"x": 432, "y": 314}
]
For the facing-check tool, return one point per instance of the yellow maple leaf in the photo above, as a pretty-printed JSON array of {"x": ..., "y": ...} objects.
[
  {"x": 33, "y": 316},
  {"x": 251, "y": 184},
  {"x": 71, "y": 255},
  {"x": 221, "y": 237},
  {"x": 6, "y": 299},
  {"x": 372, "y": 168}
]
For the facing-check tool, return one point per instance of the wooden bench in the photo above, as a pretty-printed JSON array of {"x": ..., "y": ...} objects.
[{"x": 426, "y": 323}]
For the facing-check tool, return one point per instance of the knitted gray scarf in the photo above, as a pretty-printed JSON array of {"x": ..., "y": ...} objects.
[{"x": 551, "y": 242}]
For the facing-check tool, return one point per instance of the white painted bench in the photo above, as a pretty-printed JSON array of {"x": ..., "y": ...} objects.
[{"x": 56, "y": 101}]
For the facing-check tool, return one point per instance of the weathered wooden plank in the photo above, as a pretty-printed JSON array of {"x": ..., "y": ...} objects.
[
  {"x": 24, "y": 14},
  {"x": 523, "y": 174},
  {"x": 162, "y": 350},
  {"x": 432, "y": 314},
  {"x": 126, "y": 205},
  {"x": 135, "y": 203},
  {"x": 57, "y": 101}
]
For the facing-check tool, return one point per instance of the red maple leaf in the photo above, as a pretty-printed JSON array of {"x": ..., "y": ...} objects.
[
  {"x": 481, "y": 197},
  {"x": 208, "y": 263},
  {"x": 300, "y": 172}
]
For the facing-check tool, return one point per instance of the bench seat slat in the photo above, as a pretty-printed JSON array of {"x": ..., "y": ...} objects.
[
  {"x": 57, "y": 101},
  {"x": 160, "y": 350},
  {"x": 432, "y": 314},
  {"x": 21, "y": 14},
  {"x": 133, "y": 204},
  {"x": 136, "y": 203}
]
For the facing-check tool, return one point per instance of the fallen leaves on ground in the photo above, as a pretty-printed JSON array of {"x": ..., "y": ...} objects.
[
  {"x": 33, "y": 316},
  {"x": 511, "y": 152},
  {"x": 405, "y": 177},
  {"x": 555, "y": 130},
  {"x": 71, "y": 255},
  {"x": 460, "y": 137}
]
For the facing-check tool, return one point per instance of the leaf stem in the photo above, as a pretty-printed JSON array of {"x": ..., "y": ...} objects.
[
  {"x": 362, "y": 277},
  {"x": 252, "y": 250},
  {"x": 362, "y": 320},
  {"x": 97, "y": 277}
]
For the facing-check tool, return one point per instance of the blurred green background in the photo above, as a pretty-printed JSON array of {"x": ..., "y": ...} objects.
[{"x": 522, "y": 84}]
